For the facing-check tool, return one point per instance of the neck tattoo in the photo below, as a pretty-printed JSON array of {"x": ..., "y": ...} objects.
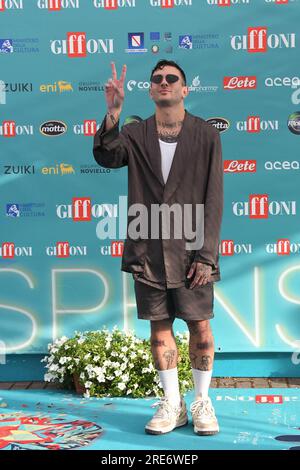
[{"x": 168, "y": 131}]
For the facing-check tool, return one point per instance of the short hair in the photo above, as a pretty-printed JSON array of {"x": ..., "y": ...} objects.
[{"x": 162, "y": 63}]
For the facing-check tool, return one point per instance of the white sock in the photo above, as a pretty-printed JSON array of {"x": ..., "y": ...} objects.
[
  {"x": 170, "y": 384},
  {"x": 202, "y": 379}
]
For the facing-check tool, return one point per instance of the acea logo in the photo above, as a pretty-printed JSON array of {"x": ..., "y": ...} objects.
[
  {"x": 294, "y": 122},
  {"x": 219, "y": 123},
  {"x": 53, "y": 128}
]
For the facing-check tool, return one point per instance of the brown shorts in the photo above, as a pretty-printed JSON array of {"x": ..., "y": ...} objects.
[{"x": 187, "y": 304}]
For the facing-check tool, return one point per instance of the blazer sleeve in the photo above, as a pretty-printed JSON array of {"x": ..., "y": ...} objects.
[
  {"x": 110, "y": 147},
  {"x": 213, "y": 207}
]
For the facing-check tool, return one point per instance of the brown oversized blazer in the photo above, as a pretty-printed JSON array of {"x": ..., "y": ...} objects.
[{"x": 196, "y": 177}]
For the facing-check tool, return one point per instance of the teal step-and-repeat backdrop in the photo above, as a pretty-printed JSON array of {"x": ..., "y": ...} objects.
[{"x": 241, "y": 58}]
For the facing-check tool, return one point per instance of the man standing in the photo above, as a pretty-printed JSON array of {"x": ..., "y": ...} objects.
[{"x": 173, "y": 158}]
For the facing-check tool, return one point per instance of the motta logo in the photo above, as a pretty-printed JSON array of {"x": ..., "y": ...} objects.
[
  {"x": 255, "y": 124},
  {"x": 57, "y": 5},
  {"x": 171, "y": 3},
  {"x": 230, "y": 248},
  {"x": 227, "y": 3},
  {"x": 283, "y": 247},
  {"x": 259, "y": 207},
  {"x": 239, "y": 83},
  {"x": 258, "y": 40},
  {"x": 88, "y": 128},
  {"x": 11, "y": 129},
  {"x": 65, "y": 250},
  {"x": 239, "y": 166},
  {"x": 115, "y": 249},
  {"x": 8, "y": 250},
  {"x": 219, "y": 123},
  {"x": 82, "y": 210},
  {"x": 11, "y": 5},
  {"x": 53, "y": 128},
  {"x": 113, "y": 4},
  {"x": 76, "y": 45}
]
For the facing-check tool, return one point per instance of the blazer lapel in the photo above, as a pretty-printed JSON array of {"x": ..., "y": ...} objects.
[{"x": 180, "y": 158}]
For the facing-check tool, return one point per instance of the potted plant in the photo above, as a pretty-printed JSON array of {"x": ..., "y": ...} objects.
[{"x": 107, "y": 363}]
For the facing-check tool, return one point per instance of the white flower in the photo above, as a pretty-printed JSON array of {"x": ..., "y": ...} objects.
[
  {"x": 76, "y": 360},
  {"x": 49, "y": 377},
  {"x": 145, "y": 370},
  {"x": 114, "y": 354},
  {"x": 129, "y": 391},
  {"x": 53, "y": 367},
  {"x": 82, "y": 376},
  {"x": 88, "y": 384},
  {"x": 123, "y": 366},
  {"x": 118, "y": 373},
  {"x": 96, "y": 358},
  {"x": 121, "y": 385},
  {"x": 63, "y": 360},
  {"x": 107, "y": 363},
  {"x": 125, "y": 378},
  {"x": 124, "y": 349},
  {"x": 80, "y": 340},
  {"x": 87, "y": 394},
  {"x": 87, "y": 356},
  {"x": 133, "y": 355},
  {"x": 110, "y": 377},
  {"x": 115, "y": 364}
]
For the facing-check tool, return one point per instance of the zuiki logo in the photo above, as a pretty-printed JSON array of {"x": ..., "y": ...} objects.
[
  {"x": 53, "y": 128},
  {"x": 258, "y": 39},
  {"x": 76, "y": 45}
]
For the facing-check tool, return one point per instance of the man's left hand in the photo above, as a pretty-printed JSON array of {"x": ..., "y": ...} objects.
[{"x": 201, "y": 274}]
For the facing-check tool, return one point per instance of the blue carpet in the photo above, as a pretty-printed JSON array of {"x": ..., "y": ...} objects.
[{"x": 42, "y": 420}]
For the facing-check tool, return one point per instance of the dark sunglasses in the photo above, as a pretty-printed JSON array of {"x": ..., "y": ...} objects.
[{"x": 170, "y": 78}]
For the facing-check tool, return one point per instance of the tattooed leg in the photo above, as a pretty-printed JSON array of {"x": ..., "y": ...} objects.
[
  {"x": 163, "y": 345},
  {"x": 201, "y": 345}
]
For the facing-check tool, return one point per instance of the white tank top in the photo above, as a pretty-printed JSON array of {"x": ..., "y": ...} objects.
[{"x": 167, "y": 150}]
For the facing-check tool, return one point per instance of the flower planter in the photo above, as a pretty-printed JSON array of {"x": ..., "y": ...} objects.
[{"x": 79, "y": 388}]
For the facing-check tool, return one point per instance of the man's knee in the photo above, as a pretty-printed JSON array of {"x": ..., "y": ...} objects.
[
  {"x": 201, "y": 329},
  {"x": 161, "y": 327}
]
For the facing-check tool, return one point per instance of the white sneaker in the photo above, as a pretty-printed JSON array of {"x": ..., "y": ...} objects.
[
  {"x": 167, "y": 417},
  {"x": 204, "y": 418}
]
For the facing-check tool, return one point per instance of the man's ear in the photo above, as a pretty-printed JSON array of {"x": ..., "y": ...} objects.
[{"x": 186, "y": 91}]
